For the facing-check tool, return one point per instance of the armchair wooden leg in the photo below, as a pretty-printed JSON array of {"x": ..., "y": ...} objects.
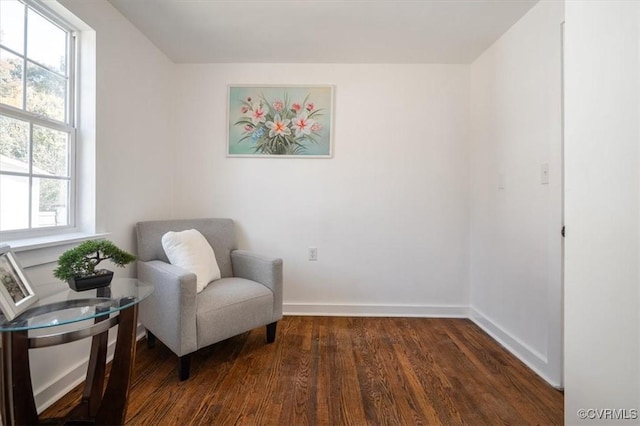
[
  {"x": 185, "y": 364},
  {"x": 151, "y": 340},
  {"x": 271, "y": 332}
]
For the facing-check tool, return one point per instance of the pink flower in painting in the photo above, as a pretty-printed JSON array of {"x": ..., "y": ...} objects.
[
  {"x": 248, "y": 127},
  {"x": 278, "y": 127},
  {"x": 296, "y": 107},
  {"x": 257, "y": 113},
  {"x": 278, "y": 106},
  {"x": 315, "y": 127},
  {"x": 310, "y": 107},
  {"x": 302, "y": 125},
  {"x": 244, "y": 109}
]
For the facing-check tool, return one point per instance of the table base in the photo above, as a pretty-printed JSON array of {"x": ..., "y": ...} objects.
[{"x": 17, "y": 403}]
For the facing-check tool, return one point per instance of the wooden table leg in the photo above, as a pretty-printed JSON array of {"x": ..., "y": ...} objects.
[
  {"x": 18, "y": 405},
  {"x": 113, "y": 408},
  {"x": 94, "y": 382}
]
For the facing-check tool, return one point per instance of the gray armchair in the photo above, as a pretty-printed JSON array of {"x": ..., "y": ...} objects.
[{"x": 248, "y": 295}]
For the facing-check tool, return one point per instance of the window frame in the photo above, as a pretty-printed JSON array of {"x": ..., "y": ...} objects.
[{"x": 68, "y": 126}]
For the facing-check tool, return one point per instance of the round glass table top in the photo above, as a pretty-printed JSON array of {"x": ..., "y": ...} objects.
[{"x": 68, "y": 306}]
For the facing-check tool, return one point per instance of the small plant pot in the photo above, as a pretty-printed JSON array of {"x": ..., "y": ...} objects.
[{"x": 93, "y": 281}]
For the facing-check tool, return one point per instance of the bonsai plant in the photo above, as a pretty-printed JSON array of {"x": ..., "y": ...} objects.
[{"x": 77, "y": 266}]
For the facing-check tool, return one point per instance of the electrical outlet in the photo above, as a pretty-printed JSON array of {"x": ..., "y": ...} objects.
[{"x": 313, "y": 253}]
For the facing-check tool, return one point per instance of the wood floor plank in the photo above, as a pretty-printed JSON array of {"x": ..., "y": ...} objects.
[
  {"x": 294, "y": 384},
  {"x": 346, "y": 388},
  {"x": 506, "y": 372},
  {"x": 341, "y": 371},
  {"x": 421, "y": 346}
]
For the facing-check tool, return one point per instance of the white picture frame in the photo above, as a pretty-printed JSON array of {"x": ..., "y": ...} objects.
[
  {"x": 16, "y": 293},
  {"x": 280, "y": 121}
]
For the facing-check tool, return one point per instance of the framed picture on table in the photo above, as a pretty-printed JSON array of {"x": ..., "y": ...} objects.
[{"x": 16, "y": 293}]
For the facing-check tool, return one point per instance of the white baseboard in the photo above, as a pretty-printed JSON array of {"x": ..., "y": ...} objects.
[
  {"x": 445, "y": 311},
  {"x": 533, "y": 359},
  {"x": 51, "y": 392}
]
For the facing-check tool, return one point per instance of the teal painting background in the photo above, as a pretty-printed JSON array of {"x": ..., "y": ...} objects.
[{"x": 321, "y": 98}]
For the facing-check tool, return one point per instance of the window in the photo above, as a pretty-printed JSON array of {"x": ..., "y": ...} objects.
[{"x": 37, "y": 120}]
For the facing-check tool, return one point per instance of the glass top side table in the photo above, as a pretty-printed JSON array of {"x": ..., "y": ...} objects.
[
  {"x": 63, "y": 308},
  {"x": 68, "y": 306}
]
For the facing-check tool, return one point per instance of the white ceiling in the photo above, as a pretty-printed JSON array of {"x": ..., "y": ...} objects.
[{"x": 323, "y": 31}]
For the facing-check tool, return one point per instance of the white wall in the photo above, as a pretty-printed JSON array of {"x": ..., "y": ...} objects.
[
  {"x": 134, "y": 151},
  {"x": 602, "y": 149},
  {"x": 388, "y": 213},
  {"x": 134, "y": 122},
  {"x": 515, "y": 269}
]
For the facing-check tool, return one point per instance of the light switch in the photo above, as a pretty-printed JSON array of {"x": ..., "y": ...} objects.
[
  {"x": 313, "y": 254},
  {"x": 544, "y": 174}
]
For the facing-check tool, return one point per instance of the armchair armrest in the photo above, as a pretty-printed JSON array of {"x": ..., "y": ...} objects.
[
  {"x": 170, "y": 311},
  {"x": 265, "y": 270}
]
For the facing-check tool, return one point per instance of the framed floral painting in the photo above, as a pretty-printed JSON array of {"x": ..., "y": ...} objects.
[{"x": 280, "y": 121}]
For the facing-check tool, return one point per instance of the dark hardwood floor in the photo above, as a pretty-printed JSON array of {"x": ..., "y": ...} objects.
[{"x": 342, "y": 371}]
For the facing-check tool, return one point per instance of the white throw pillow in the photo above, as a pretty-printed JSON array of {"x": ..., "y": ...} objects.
[{"x": 191, "y": 251}]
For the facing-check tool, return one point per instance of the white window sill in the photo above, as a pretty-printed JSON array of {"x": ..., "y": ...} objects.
[
  {"x": 51, "y": 241},
  {"x": 47, "y": 249}
]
